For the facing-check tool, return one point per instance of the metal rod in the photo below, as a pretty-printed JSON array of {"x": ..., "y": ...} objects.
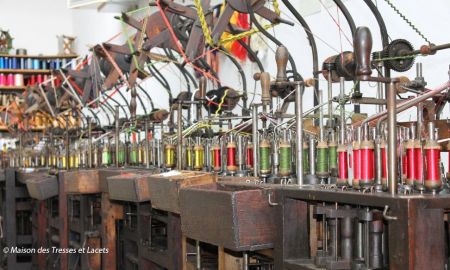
[
  {"x": 255, "y": 139},
  {"x": 67, "y": 144},
  {"x": 380, "y": 91},
  {"x": 117, "y": 135},
  {"x": 245, "y": 261},
  {"x": 330, "y": 101},
  {"x": 89, "y": 120},
  {"x": 198, "y": 255},
  {"x": 312, "y": 154},
  {"x": 299, "y": 132},
  {"x": 147, "y": 145},
  {"x": 180, "y": 137},
  {"x": 342, "y": 96},
  {"x": 321, "y": 130},
  {"x": 407, "y": 104},
  {"x": 392, "y": 139}
]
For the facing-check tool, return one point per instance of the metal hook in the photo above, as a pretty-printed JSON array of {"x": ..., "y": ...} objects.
[
  {"x": 270, "y": 200},
  {"x": 385, "y": 216}
]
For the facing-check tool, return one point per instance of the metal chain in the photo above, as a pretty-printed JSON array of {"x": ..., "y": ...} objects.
[{"x": 407, "y": 21}]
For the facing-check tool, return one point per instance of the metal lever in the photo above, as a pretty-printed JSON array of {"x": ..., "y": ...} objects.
[
  {"x": 363, "y": 48},
  {"x": 281, "y": 58}
]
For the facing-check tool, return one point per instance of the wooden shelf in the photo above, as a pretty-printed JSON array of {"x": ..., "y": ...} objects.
[
  {"x": 40, "y": 56},
  {"x": 37, "y": 129},
  {"x": 12, "y": 88},
  {"x": 26, "y": 71}
]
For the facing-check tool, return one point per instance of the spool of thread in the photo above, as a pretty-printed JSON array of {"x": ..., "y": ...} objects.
[
  {"x": 367, "y": 160},
  {"x": 249, "y": 159},
  {"x": 57, "y": 64},
  {"x": 6, "y": 63},
  {"x": 32, "y": 80},
  {"x": 10, "y": 80},
  {"x": 285, "y": 159},
  {"x": 216, "y": 155},
  {"x": 2, "y": 79},
  {"x": 18, "y": 80},
  {"x": 199, "y": 157},
  {"x": 384, "y": 165},
  {"x": 231, "y": 157},
  {"x": 306, "y": 158},
  {"x": 44, "y": 64},
  {"x": 356, "y": 164},
  {"x": 264, "y": 157},
  {"x": 13, "y": 63},
  {"x": 419, "y": 162},
  {"x": 10, "y": 63},
  {"x": 21, "y": 51},
  {"x": 36, "y": 64},
  {"x": 40, "y": 79},
  {"x": 332, "y": 146},
  {"x": 342, "y": 179},
  {"x": 322, "y": 159},
  {"x": 29, "y": 63},
  {"x": 22, "y": 63},
  {"x": 2, "y": 62},
  {"x": 189, "y": 158}
]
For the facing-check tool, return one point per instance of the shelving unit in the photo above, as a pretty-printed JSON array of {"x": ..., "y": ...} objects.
[
  {"x": 69, "y": 56},
  {"x": 26, "y": 71}
]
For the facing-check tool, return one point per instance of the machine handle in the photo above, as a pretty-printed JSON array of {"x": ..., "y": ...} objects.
[
  {"x": 281, "y": 58},
  {"x": 362, "y": 43}
]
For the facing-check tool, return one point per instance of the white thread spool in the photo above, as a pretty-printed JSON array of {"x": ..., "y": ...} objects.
[{"x": 18, "y": 80}]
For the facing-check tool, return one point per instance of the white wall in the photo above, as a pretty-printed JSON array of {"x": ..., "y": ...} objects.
[{"x": 35, "y": 24}]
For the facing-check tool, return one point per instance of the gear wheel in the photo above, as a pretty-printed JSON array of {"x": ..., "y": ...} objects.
[{"x": 399, "y": 48}]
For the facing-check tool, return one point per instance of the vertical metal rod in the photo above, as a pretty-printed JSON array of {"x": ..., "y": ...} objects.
[
  {"x": 255, "y": 140},
  {"x": 20, "y": 149},
  {"x": 117, "y": 135},
  {"x": 321, "y": 129},
  {"x": 180, "y": 137},
  {"x": 342, "y": 103},
  {"x": 89, "y": 142},
  {"x": 312, "y": 155},
  {"x": 198, "y": 255},
  {"x": 330, "y": 101},
  {"x": 245, "y": 261},
  {"x": 147, "y": 145},
  {"x": 161, "y": 162},
  {"x": 240, "y": 153},
  {"x": 380, "y": 88},
  {"x": 392, "y": 139},
  {"x": 299, "y": 132},
  {"x": 67, "y": 143}
]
